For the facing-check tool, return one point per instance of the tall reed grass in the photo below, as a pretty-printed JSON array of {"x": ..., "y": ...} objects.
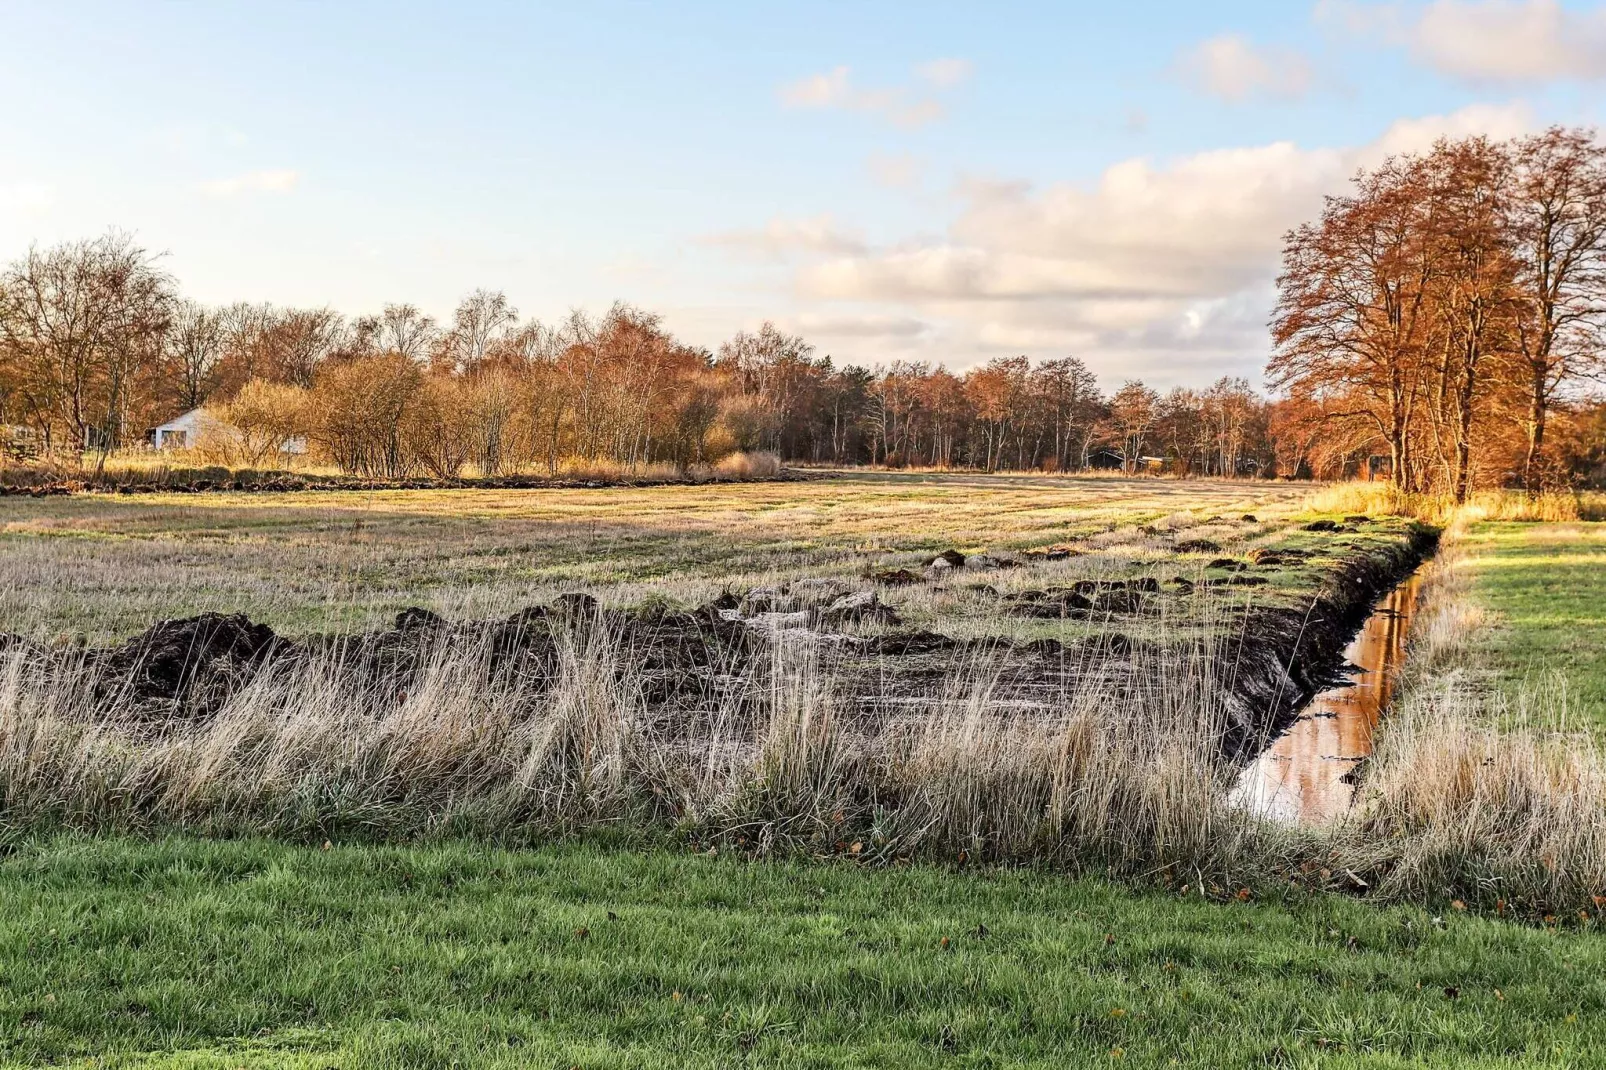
[
  {"x": 1555, "y": 506},
  {"x": 781, "y": 760}
]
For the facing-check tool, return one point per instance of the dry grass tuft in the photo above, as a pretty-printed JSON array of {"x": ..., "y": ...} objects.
[
  {"x": 604, "y": 470},
  {"x": 1454, "y": 802},
  {"x": 1385, "y": 499},
  {"x": 757, "y": 465}
]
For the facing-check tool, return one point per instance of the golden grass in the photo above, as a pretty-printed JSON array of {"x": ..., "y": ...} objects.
[
  {"x": 105, "y": 566},
  {"x": 1108, "y": 783},
  {"x": 1385, "y": 499},
  {"x": 1114, "y": 780},
  {"x": 756, "y": 465}
]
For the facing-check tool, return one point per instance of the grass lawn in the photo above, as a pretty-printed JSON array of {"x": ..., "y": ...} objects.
[
  {"x": 191, "y": 953},
  {"x": 1545, "y": 585}
]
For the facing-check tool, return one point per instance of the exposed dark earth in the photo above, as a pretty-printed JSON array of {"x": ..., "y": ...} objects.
[{"x": 1260, "y": 664}]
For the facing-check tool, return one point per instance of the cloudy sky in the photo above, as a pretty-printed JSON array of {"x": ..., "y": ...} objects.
[{"x": 933, "y": 181}]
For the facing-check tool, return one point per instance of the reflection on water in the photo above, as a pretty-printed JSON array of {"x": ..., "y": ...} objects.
[{"x": 1299, "y": 778}]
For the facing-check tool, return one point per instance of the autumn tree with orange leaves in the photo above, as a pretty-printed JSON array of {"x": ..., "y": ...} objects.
[{"x": 1440, "y": 312}]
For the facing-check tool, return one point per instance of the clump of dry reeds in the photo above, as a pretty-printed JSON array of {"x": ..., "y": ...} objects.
[
  {"x": 607, "y": 470},
  {"x": 1457, "y": 806},
  {"x": 1381, "y": 498},
  {"x": 779, "y": 760},
  {"x": 758, "y": 464}
]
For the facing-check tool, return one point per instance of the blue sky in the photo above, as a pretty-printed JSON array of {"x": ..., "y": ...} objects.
[{"x": 943, "y": 182}]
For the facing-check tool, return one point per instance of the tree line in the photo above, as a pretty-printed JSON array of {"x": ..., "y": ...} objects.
[
  {"x": 1439, "y": 324},
  {"x": 1446, "y": 314},
  {"x": 98, "y": 346}
]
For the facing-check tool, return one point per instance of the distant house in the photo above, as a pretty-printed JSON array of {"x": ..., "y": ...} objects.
[
  {"x": 1106, "y": 459},
  {"x": 185, "y": 433},
  {"x": 182, "y": 432}
]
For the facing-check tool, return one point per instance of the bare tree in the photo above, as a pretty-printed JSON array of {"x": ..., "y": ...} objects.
[
  {"x": 402, "y": 329},
  {"x": 300, "y": 339},
  {"x": 1473, "y": 290},
  {"x": 1557, "y": 223},
  {"x": 78, "y": 324},
  {"x": 1133, "y": 410},
  {"x": 196, "y": 344},
  {"x": 1353, "y": 313},
  {"x": 481, "y": 319}
]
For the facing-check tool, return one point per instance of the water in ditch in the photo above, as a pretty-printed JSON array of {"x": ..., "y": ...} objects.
[{"x": 1301, "y": 777}]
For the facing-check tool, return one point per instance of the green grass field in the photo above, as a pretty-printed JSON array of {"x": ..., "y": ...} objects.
[
  {"x": 186, "y": 953},
  {"x": 1545, "y": 588}
]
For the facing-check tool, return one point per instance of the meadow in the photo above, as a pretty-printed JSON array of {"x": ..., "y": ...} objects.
[
  {"x": 1544, "y": 588},
  {"x": 105, "y": 565},
  {"x": 779, "y": 837}
]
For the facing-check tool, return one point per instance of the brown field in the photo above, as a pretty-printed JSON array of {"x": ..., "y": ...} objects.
[{"x": 103, "y": 566}]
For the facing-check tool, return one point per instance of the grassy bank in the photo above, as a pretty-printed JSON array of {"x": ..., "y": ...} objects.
[
  {"x": 1544, "y": 588},
  {"x": 183, "y": 952}
]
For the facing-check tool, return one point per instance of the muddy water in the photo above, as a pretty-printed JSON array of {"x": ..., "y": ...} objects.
[{"x": 1300, "y": 777}]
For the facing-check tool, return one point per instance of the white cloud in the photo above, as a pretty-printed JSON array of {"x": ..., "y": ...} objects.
[
  {"x": 901, "y": 105},
  {"x": 828, "y": 90},
  {"x": 281, "y": 181},
  {"x": 1235, "y": 69},
  {"x": 1155, "y": 268},
  {"x": 825, "y": 327},
  {"x": 1418, "y": 135},
  {"x": 1486, "y": 41},
  {"x": 782, "y": 237},
  {"x": 896, "y": 170}
]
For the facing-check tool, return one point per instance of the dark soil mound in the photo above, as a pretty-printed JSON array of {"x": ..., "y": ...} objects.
[
  {"x": 897, "y": 577},
  {"x": 195, "y": 662}
]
